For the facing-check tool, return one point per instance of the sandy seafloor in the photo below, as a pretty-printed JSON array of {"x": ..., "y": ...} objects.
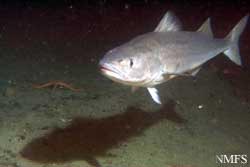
[{"x": 203, "y": 117}]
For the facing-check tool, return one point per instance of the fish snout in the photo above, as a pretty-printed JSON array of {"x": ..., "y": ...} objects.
[{"x": 102, "y": 65}]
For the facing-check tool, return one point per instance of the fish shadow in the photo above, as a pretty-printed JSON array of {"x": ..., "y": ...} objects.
[{"x": 89, "y": 138}]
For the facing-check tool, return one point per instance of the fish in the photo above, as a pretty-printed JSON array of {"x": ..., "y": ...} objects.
[{"x": 168, "y": 52}]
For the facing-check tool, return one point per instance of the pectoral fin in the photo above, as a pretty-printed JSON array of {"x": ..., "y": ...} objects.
[
  {"x": 169, "y": 76},
  {"x": 195, "y": 71},
  {"x": 192, "y": 72},
  {"x": 154, "y": 94}
]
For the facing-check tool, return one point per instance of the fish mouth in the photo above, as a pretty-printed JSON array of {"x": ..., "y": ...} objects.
[
  {"x": 110, "y": 72},
  {"x": 105, "y": 69}
]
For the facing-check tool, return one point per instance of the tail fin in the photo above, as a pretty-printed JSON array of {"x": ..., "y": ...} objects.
[{"x": 233, "y": 52}]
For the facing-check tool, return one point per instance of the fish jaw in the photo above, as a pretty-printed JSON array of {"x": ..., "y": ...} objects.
[
  {"x": 111, "y": 72},
  {"x": 115, "y": 75}
]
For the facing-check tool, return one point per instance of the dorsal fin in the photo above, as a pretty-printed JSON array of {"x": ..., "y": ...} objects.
[
  {"x": 206, "y": 28},
  {"x": 168, "y": 23}
]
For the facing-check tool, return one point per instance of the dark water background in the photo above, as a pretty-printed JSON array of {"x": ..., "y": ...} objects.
[{"x": 37, "y": 38}]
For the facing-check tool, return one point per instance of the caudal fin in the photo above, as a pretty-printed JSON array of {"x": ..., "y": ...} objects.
[{"x": 233, "y": 52}]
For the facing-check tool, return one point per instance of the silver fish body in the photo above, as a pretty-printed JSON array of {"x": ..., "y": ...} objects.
[
  {"x": 168, "y": 52},
  {"x": 175, "y": 53}
]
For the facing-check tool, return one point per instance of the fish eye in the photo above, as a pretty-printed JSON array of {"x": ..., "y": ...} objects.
[{"x": 131, "y": 63}]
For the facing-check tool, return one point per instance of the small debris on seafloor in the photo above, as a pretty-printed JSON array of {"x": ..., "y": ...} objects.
[
  {"x": 10, "y": 92},
  {"x": 200, "y": 106},
  {"x": 56, "y": 84}
]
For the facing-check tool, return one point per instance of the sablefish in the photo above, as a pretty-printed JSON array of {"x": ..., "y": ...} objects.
[{"x": 168, "y": 52}]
